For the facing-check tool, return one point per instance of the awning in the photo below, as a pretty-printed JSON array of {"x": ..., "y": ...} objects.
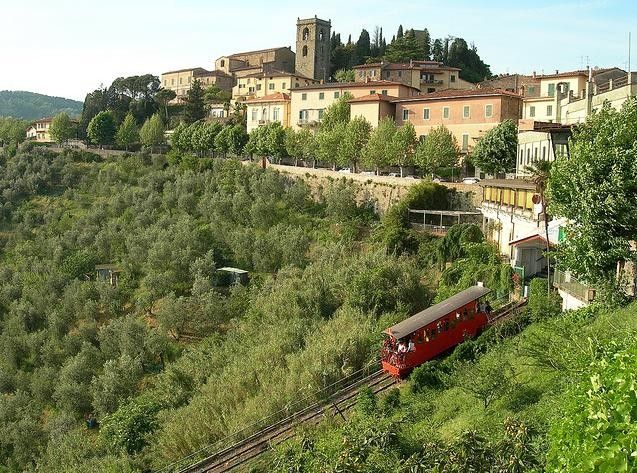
[{"x": 533, "y": 237}]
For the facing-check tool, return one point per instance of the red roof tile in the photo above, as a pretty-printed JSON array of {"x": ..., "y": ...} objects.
[
  {"x": 276, "y": 97},
  {"x": 457, "y": 93},
  {"x": 345, "y": 85},
  {"x": 374, "y": 98}
]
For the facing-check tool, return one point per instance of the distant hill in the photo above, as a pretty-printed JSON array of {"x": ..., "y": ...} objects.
[{"x": 32, "y": 106}]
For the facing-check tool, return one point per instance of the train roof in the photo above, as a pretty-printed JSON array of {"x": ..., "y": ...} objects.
[{"x": 433, "y": 313}]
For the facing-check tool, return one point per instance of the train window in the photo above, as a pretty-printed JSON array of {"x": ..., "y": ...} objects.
[
  {"x": 446, "y": 324},
  {"x": 439, "y": 327}
]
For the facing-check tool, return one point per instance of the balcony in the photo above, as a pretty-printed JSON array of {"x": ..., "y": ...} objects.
[
  {"x": 565, "y": 282},
  {"x": 306, "y": 122}
]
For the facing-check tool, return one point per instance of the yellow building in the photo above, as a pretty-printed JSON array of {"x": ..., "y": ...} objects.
[
  {"x": 267, "y": 109},
  {"x": 426, "y": 76},
  {"x": 373, "y": 107},
  {"x": 39, "y": 131},
  {"x": 261, "y": 84},
  {"x": 181, "y": 80},
  {"x": 308, "y": 103}
]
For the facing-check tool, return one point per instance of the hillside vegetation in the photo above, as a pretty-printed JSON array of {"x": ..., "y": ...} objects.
[
  {"x": 32, "y": 106},
  {"x": 166, "y": 362}
]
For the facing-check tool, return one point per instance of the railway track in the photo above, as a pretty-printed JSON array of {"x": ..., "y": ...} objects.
[
  {"x": 252, "y": 446},
  {"x": 244, "y": 450}
]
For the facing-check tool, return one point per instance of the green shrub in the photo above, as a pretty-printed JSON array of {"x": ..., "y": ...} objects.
[{"x": 426, "y": 376}]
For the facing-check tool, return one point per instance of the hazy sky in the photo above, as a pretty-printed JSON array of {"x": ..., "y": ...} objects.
[{"x": 70, "y": 47}]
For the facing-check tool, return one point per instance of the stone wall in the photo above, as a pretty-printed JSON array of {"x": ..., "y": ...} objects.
[{"x": 384, "y": 189}]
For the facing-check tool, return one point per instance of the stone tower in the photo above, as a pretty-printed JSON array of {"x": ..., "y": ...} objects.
[{"x": 313, "y": 48}]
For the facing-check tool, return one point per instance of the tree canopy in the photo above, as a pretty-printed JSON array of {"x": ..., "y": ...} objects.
[
  {"x": 496, "y": 151},
  {"x": 438, "y": 149},
  {"x": 596, "y": 190}
]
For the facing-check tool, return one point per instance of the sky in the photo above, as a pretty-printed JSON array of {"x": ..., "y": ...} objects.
[{"x": 68, "y": 48}]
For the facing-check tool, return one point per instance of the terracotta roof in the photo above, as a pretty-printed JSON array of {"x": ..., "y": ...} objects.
[
  {"x": 508, "y": 183},
  {"x": 375, "y": 98},
  {"x": 458, "y": 93},
  {"x": 346, "y": 85},
  {"x": 188, "y": 69},
  {"x": 417, "y": 65},
  {"x": 276, "y": 97},
  {"x": 247, "y": 53}
]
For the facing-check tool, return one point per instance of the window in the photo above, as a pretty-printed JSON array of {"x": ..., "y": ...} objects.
[
  {"x": 445, "y": 112},
  {"x": 551, "y": 90},
  {"x": 361, "y": 74},
  {"x": 303, "y": 115},
  {"x": 271, "y": 86},
  {"x": 336, "y": 95},
  {"x": 531, "y": 111},
  {"x": 425, "y": 114},
  {"x": 405, "y": 114},
  {"x": 321, "y": 95},
  {"x": 488, "y": 111},
  {"x": 531, "y": 90},
  {"x": 383, "y": 92},
  {"x": 430, "y": 90},
  {"x": 189, "y": 79},
  {"x": 321, "y": 114},
  {"x": 544, "y": 153},
  {"x": 275, "y": 114},
  {"x": 372, "y": 92},
  {"x": 528, "y": 156},
  {"x": 264, "y": 114},
  {"x": 387, "y": 74},
  {"x": 521, "y": 157},
  {"x": 306, "y": 33},
  {"x": 254, "y": 114},
  {"x": 400, "y": 73},
  {"x": 303, "y": 96},
  {"x": 466, "y": 112},
  {"x": 320, "y": 35},
  {"x": 180, "y": 81},
  {"x": 223, "y": 63},
  {"x": 372, "y": 73},
  {"x": 549, "y": 110},
  {"x": 172, "y": 81},
  {"x": 536, "y": 153},
  {"x": 465, "y": 142},
  {"x": 304, "y": 51},
  {"x": 283, "y": 84},
  {"x": 258, "y": 86},
  {"x": 452, "y": 78}
]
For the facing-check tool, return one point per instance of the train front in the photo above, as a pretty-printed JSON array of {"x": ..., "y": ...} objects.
[{"x": 394, "y": 356}]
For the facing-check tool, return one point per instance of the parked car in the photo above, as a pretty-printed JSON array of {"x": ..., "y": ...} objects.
[
  {"x": 470, "y": 180},
  {"x": 439, "y": 179},
  {"x": 412, "y": 177},
  {"x": 367, "y": 173},
  {"x": 345, "y": 170},
  {"x": 393, "y": 174}
]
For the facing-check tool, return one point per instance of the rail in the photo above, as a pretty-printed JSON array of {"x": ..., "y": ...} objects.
[{"x": 290, "y": 411}]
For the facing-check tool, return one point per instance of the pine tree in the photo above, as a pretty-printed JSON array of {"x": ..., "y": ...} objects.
[
  {"x": 399, "y": 34},
  {"x": 426, "y": 45},
  {"x": 437, "y": 51},
  {"x": 195, "y": 108}
]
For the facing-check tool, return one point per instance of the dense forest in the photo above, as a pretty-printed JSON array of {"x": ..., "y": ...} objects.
[
  {"x": 405, "y": 46},
  {"x": 32, "y": 106}
]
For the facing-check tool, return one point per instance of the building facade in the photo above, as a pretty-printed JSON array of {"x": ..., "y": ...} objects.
[
  {"x": 373, "y": 107},
  {"x": 313, "y": 48},
  {"x": 181, "y": 80},
  {"x": 540, "y": 141},
  {"x": 254, "y": 62},
  {"x": 308, "y": 103},
  {"x": 468, "y": 114},
  {"x": 262, "y": 84},
  {"x": 267, "y": 109},
  {"x": 39, "y": 131},
  {"x": 426, "y": 76}
]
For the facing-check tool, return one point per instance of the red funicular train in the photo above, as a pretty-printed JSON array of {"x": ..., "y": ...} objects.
[{"x": 425, "y": 335}]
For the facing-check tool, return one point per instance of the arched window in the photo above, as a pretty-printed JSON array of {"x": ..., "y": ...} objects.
[
  {"x": 264, "y": 114},
  {"x": 223, "y": 63},
  {"x": 306, "y": 33},
  {"x": 320, "y": 35},
  {"x": 304, "y": 51}
]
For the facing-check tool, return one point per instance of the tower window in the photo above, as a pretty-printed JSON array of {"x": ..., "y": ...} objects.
[
  {"x": 306, "y": 33},
  {"x": 320, "y": 35},
  {"x": 304, "y": 51},
  {"x": 223, "y": 63}
]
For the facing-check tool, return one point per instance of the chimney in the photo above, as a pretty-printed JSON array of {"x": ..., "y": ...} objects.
[
  {"x": 534, "y": 74},
  {"x": 557, "y": 71}
]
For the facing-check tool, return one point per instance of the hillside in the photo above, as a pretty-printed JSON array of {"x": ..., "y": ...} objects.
[{"x": 32, "y": 106}]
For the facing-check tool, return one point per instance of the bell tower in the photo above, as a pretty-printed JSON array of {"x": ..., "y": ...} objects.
[{"x": 313, "y": 48}]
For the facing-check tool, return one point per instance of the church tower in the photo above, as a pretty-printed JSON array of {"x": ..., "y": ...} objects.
[{"x": 313, "y": 48}]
